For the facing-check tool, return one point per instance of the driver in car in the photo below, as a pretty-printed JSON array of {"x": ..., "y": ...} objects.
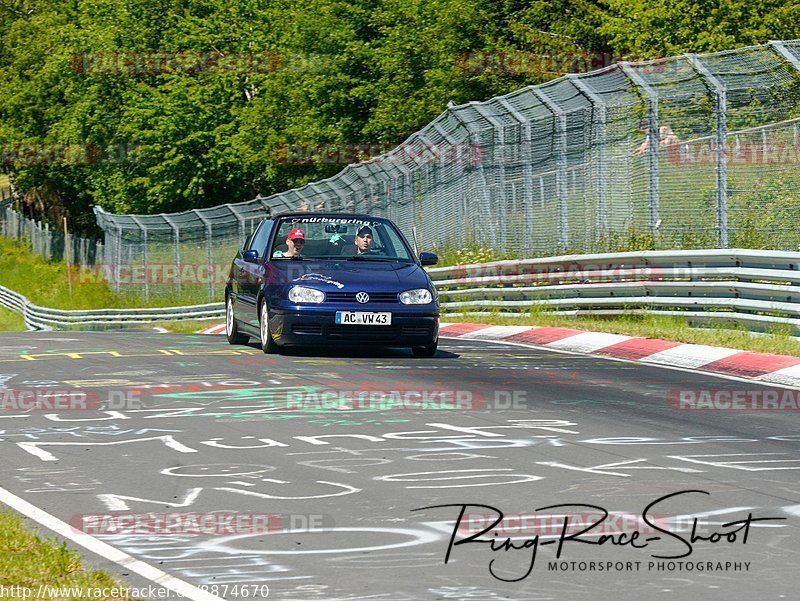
[{"x": 295, "y": 242}]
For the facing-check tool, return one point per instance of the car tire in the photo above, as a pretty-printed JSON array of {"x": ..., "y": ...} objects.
[
  {"x": 231, "y": 327},
  {"x": 268, "y": 345},
  {"x": 427, "y": 351}
]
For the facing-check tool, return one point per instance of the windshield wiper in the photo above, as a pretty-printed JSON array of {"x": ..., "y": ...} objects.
[{"x": 368, "y": 258}]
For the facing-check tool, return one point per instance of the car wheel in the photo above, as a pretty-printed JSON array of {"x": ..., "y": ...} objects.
[
  {"x": 231, "y": 328},
  {"x": 429, "y": 350},
  {"x": 268, "y": 345}
]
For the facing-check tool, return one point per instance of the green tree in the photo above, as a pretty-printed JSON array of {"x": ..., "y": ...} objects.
[{"x": 668, "y": 27}]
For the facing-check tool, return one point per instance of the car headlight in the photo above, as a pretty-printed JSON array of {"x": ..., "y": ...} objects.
[
  {"x": 301, "y": 294},
  {"x": 420, "y": 296}
]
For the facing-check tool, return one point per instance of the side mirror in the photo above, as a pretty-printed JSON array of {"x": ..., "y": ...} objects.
[
  {"x": 250, "y": 256},
  {"x": 428, "y": 258}
]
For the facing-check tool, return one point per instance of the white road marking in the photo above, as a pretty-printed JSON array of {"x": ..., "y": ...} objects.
[{"x": 105, "y": 550}]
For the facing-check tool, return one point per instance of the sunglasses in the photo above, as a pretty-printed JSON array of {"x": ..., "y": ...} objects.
[{"x": 297, "y": 240}]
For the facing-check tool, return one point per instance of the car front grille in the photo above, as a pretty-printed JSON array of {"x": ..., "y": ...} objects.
[
  {"x": 341, "y": 332},
  {"x": 417, "y": 330},
  {"x": 360, "y": 332},
  {"x": 350, "y": 297},
  {"x": 313, "y": 329}
]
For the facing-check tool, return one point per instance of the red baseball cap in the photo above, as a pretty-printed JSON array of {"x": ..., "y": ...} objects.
[{"x": 295, "y": 234}]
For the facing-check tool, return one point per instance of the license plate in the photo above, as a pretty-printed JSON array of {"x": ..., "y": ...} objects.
[{"x": 363, "y": 318}]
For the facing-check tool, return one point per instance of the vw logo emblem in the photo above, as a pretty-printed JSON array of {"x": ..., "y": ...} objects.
[{"x": 362, "y": 297}]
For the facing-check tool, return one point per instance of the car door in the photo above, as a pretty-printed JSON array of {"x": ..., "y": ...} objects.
[{"x": 248, "y": 276}]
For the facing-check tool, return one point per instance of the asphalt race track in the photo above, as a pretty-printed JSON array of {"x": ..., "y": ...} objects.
[{"x": 308, "y": 471}]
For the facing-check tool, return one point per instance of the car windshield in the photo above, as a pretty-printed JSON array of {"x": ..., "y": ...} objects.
[{"x": 339, "y": 238}]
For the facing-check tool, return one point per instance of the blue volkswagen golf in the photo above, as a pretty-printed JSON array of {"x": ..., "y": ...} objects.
[{"x": 311, "y": 279}]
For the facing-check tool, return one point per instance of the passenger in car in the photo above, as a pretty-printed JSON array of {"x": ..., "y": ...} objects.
[{"x": 363, "y": 243}]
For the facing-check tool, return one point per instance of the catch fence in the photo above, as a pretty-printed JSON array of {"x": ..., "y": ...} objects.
[
  {"x": 47, "y": 241},
  {"x": 691, "y": 151}
]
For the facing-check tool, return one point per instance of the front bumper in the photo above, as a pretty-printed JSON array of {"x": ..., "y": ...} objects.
[{"x": 315, "y": 327}]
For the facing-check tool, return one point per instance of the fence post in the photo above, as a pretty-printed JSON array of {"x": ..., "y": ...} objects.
[
  {"x": 527, "y": 170},
  {"x": 601, "y": 117},
  {"x": 176, "y": 234},
  {"x": 721, "y": 110},
  {"x": 485, "y": 194},
  {"x": 340, "y": 189},
  {"x": 265, "y": 204},
  {"x": 653, "y": 153},
  {"x": 209, "y": 234},
  {"x": 786, "y": 54},
  {"x": 143, "y": 236},
  {"x": 241, "y": 221},
  {"x": 118, "y": 263},
  {"x": 560, "y": 118},
  {"x": 499, "y": 163}
]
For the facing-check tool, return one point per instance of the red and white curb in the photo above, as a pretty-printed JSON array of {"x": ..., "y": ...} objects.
[
  {"x": 759, "y": 367},
  {"x": 220, "y": 329}
]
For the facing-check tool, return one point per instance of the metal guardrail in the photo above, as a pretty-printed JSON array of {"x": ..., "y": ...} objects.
[
  {"x": 43, "y": 318},
  {"x": 751, "y": 288}
]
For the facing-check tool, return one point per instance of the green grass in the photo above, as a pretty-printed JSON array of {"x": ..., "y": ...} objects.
[
  {"x": 46, "y": 284},
  {"x": 27, "y": 560},
  {"x": 11, "y": 321},
  {"x": 666, "y": 327},
  {"x": 187, "y": 326}
]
